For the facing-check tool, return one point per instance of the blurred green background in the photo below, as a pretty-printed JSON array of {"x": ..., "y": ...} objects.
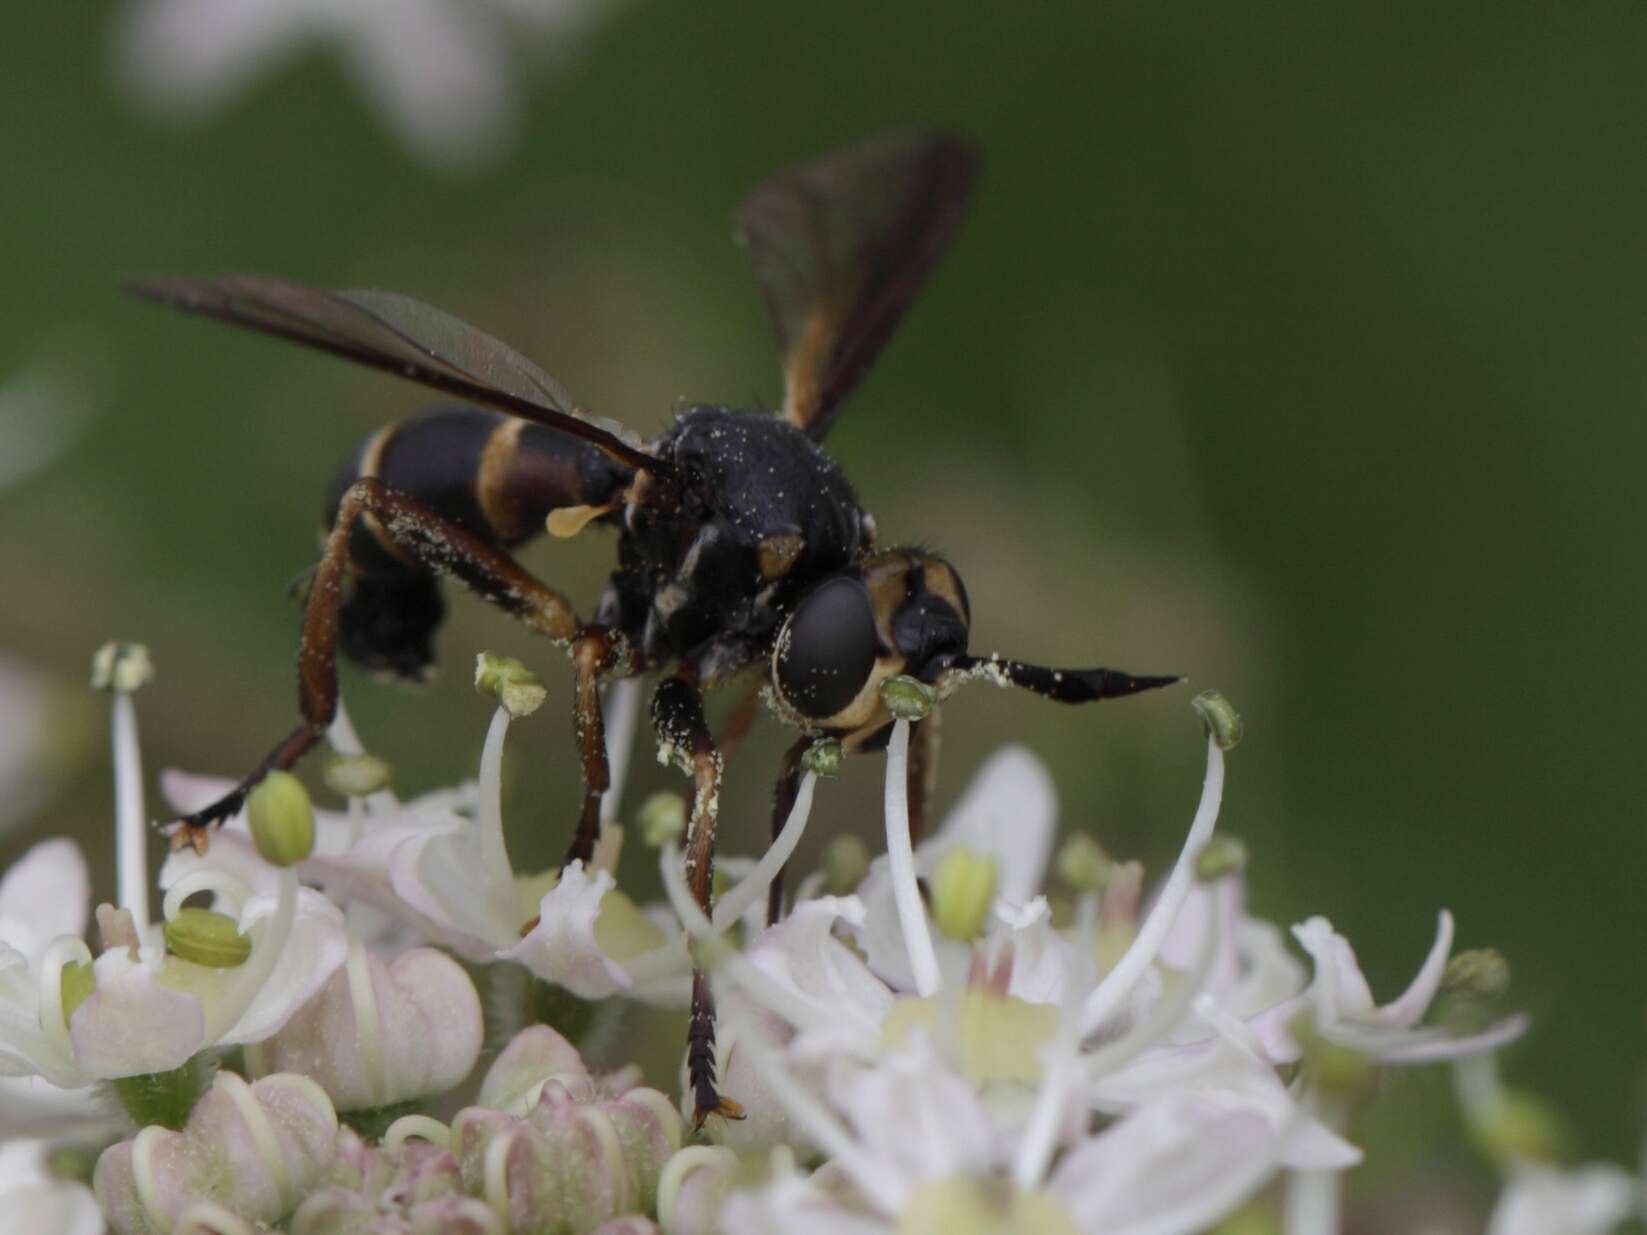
[{"x": 1294, "y": 347}]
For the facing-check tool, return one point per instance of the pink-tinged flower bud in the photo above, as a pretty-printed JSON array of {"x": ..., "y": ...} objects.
[
  {"x": 253, "y": 1150},
  {"x": 570, "y": 1164},
  {"x": 378, "y": 1034},
  {"x": 411, "y": 1189},
  {"x": 533, "y": 1057},
  {"x": 693, "y": 1187}
]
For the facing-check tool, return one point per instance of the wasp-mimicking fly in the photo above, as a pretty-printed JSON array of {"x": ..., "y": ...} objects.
[{"x": 743, "y": 551}]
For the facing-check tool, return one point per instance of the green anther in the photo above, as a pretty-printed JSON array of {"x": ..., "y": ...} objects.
[
  {"x": 76, "y": 982},
  {"x": 1223, "y": 721},
  {"x": 1083, "y": 864},
  {"x": 207, "y": 938},
  {"x": 282, "y": 821},
  {"x": 121, "y": 667},
  {"x": 845, "y": 863},
  {"x": 355, "y": 776},
  {"x": 663, "y": 819},
  {"x": 823, "y": 757},
  {"x": 1480, "y": 973},
  {"x": 963, "y": 889},
  {"x": 511, "y": 683},
  {"x": 1223, "y": 856},
  {"x": 906, "y": 698}
]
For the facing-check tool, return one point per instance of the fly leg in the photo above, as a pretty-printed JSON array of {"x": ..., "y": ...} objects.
[
  {"x": 433, "y": 542},
  {"x": 677, "y": 715},
  {"x": 922, "y": 778},
  {"x": 595, "y": 650}
]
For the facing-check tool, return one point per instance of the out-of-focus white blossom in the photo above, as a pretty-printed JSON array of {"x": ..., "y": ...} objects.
[
  {"x": 32, "y": 1200},
  {"x": 440, "y": 73},
  {"x": 1589, "y": 1200}
]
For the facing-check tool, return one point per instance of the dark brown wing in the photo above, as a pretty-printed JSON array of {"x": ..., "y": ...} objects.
[
  {"x": 403, "y": 336},
  {"x": 840, "y": 246}
]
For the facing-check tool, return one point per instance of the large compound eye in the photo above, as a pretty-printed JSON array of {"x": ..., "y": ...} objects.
[{"x": 826, "y": 650}]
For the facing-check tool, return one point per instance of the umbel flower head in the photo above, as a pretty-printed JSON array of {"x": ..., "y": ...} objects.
[
  {"x": 921, "y": 1045},
  {"x": 157, "y": 994}
]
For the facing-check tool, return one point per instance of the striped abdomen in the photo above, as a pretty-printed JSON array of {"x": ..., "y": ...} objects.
[{"x": 493, "y": 475}]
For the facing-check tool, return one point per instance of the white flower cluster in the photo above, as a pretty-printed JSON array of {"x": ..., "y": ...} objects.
[{"x": 963, "y": 1036}]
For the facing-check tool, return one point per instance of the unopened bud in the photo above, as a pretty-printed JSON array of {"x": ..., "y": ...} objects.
[
  {"x": 907, "y": 698},
  {"x": 963, "y": 889},
  {"x": 207, "y": 938},
  {"x": 1222, "y": 720},
  {"x": 845, "y": 863},
  {"x": 355, "y": 776},
  {"x": 252, "y": 1149},
  {"x": 281, "y": 820},
  {"x": 1223, "y": 856},
  {"x": 823, "y": 757},
  {"x": 379, "y": 1033},
  {"x": 1083, "y": 864},
  {"x": 692, "y": 1188},
  {"x": 534, "y": 1057},
  {"x": 663, "y": 819},
  {"x": 121, "y": 667},
  {"x": 1481, "y": 973},
  {"x": 511, "y": 683},
  {"x": 570, "y": 1165}
]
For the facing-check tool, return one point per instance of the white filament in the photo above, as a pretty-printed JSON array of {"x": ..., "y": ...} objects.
[
  {"x": 131, "y": 829},
  {"x": 494, "y": 857},
  {"x": 753, "y": 886},
  {"x": 906, "y": 893},
  {"x": 622, "y": 709},
  {"x": 1119, "y": 981}
]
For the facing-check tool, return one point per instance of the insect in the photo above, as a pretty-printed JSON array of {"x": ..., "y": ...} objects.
[{"x": 742, "y": 549}]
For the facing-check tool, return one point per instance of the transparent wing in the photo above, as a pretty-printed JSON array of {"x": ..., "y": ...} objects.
[
  {"x": 841, "y": 246},
  {"x": 388, "y": 331}
]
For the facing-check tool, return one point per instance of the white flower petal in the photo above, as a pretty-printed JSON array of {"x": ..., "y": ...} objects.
[
  {"x": 795, "y": 1205},
  {"x": 562, "y": 947},
  {"x": 33, "y": 1200},
  {"x": 131, "y": 1023},
  {"x": 1591, "y": 1200},
  {"x": 1340, "y": 990},
  {"x": 1171, "y": 1168},
  {"x": 33, "y": 1106},
  {"x": 44, "y": 894},
  {"x": 915, "y": 1116},
  {"x": 316, "y": 947},
  {"x": 1008, "y": 812},
  {"x": 844, "y": 1002}
]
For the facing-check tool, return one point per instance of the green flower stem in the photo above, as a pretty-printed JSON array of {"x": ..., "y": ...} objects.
[{"x": 163, "y": 1098}]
